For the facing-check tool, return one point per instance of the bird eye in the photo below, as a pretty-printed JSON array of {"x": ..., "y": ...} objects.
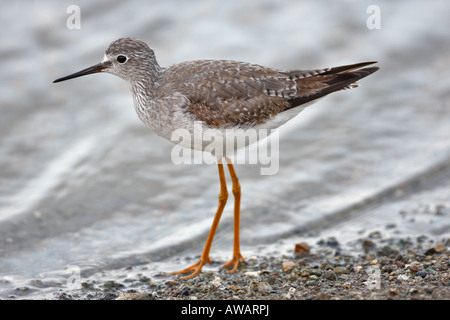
[{"x": 121, "y": 59}]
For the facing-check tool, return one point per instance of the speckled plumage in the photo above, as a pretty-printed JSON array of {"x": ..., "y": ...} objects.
[{"x": 221, "y": 94}]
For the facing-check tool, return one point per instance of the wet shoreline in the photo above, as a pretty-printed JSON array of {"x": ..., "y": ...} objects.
[{"x": 371, "y": 268}]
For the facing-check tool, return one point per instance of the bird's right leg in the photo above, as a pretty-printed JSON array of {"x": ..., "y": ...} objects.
[{"x": 204, "y": 258}]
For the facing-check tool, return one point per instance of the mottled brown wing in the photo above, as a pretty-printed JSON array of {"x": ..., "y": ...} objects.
[{"x": 229, "y": 93}]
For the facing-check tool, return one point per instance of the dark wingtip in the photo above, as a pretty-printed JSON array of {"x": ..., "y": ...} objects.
[
  {"x": 337, "y": 79},
  {"x": 350, "y": 67},
  {"x": 362, "y": 73}
]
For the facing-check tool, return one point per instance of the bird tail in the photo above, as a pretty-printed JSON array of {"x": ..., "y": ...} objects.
[{"x": 329, "y": 80}]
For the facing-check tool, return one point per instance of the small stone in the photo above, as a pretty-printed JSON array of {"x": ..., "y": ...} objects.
[
  {"x": 413, "y": 291},
  {"x": 313, "y": 278},
  {"x": 305, "y": 273},
  {"x": 332, "y": 242},
  {"x": 403, "y": 277},
  {"x": 302, "y": 262},
  {"x": 368, "y": 245},
  {"x": 326, "y": 265},
  {"x": 323, "y": 296},
  {"x": 135, "y": 296},
  {"x": 421, "y": 273},
  {"x": 260, "y": 287},
  {"x": 302, "y": 248},
  {"x": 414, "y": 266},
  {"x": 291, "y": 293},
  {"x": 385, "y": 251},
  {"x": 315, "y": 271},
  {"x": 216, "y": 282},
  {"x": 394, "y": 292},
  {"x": 340, "y": 270},
  {"x": 330, "y": 275},
  {"x": 252, "y": 274},
  {"x": 112, "y": 284},
  {"x": 185, "y": 291},
  {"x": 375, "y": 235},
  {"x": 310, "y": 283},
  {"x": 288, "y": 265},
  {"x": 430, "y": 270},
  {"x": 439, "y": 248}
]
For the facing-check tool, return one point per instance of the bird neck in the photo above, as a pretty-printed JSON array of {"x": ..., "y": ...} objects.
[
  {"x": 145, "y": 81},
  {"x": 144, "y": 88}
]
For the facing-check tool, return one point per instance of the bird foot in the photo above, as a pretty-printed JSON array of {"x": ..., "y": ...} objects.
[
  {"x": 195, "y": 269},
  {"x": 233, "y": 263}
]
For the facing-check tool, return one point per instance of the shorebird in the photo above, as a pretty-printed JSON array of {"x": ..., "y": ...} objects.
[{"x": 220, "y": 94}]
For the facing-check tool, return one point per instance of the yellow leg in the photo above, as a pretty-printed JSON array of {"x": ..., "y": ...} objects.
[
  {"x": 223, "y": 196},
  {"x": 234, "y": 262}
]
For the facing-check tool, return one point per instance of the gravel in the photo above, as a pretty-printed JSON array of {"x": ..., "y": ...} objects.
[{"x": 374, "y": 269}]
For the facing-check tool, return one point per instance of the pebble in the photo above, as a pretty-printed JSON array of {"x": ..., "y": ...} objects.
[
  {"x": 288, "y": 265},
  {"x": 305, "y": 273},
  {"x": 368, "y": 245},
  {"x": 403, "y": 277},
  {"x": 330, "y": 275},
  {"x": 291, "y": 293},
  {"x": 430, "y": 270},
  {"x": 302, "y": 248},
  {"x": 375, "y": 235},
  {"x": 413, "y": 291},
  {"x": 421, "y": 273},
  {"x": 136, "y": 296},
  {"x": 216, "y": 282},
  {"x": 332, "y": 242},
  {"x": 326, "y": 265},
  {"x": 185, "y": 291},
  {"x": 259, "y": 287},
  {"x": 358, "y": 269},
  {"x": 340, "y": 270},
  {"x": 252, "y": 274},
  {"x": 394, "y": 292}
]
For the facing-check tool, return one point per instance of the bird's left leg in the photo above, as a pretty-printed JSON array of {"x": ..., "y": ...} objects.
[{"x": 237, "y": 256}]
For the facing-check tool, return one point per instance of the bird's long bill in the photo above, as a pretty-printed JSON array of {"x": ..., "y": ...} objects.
[{"x": 94, "y": 69}]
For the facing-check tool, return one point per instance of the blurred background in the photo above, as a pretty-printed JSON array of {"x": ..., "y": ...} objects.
[{"x": 84, "y": 183}]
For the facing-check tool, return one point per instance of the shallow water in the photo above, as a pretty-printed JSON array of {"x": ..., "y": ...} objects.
[{"x": 83, "y": 183}]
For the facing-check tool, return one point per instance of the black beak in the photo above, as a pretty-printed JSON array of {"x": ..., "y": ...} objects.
[{"x": 94, "y": 69}]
